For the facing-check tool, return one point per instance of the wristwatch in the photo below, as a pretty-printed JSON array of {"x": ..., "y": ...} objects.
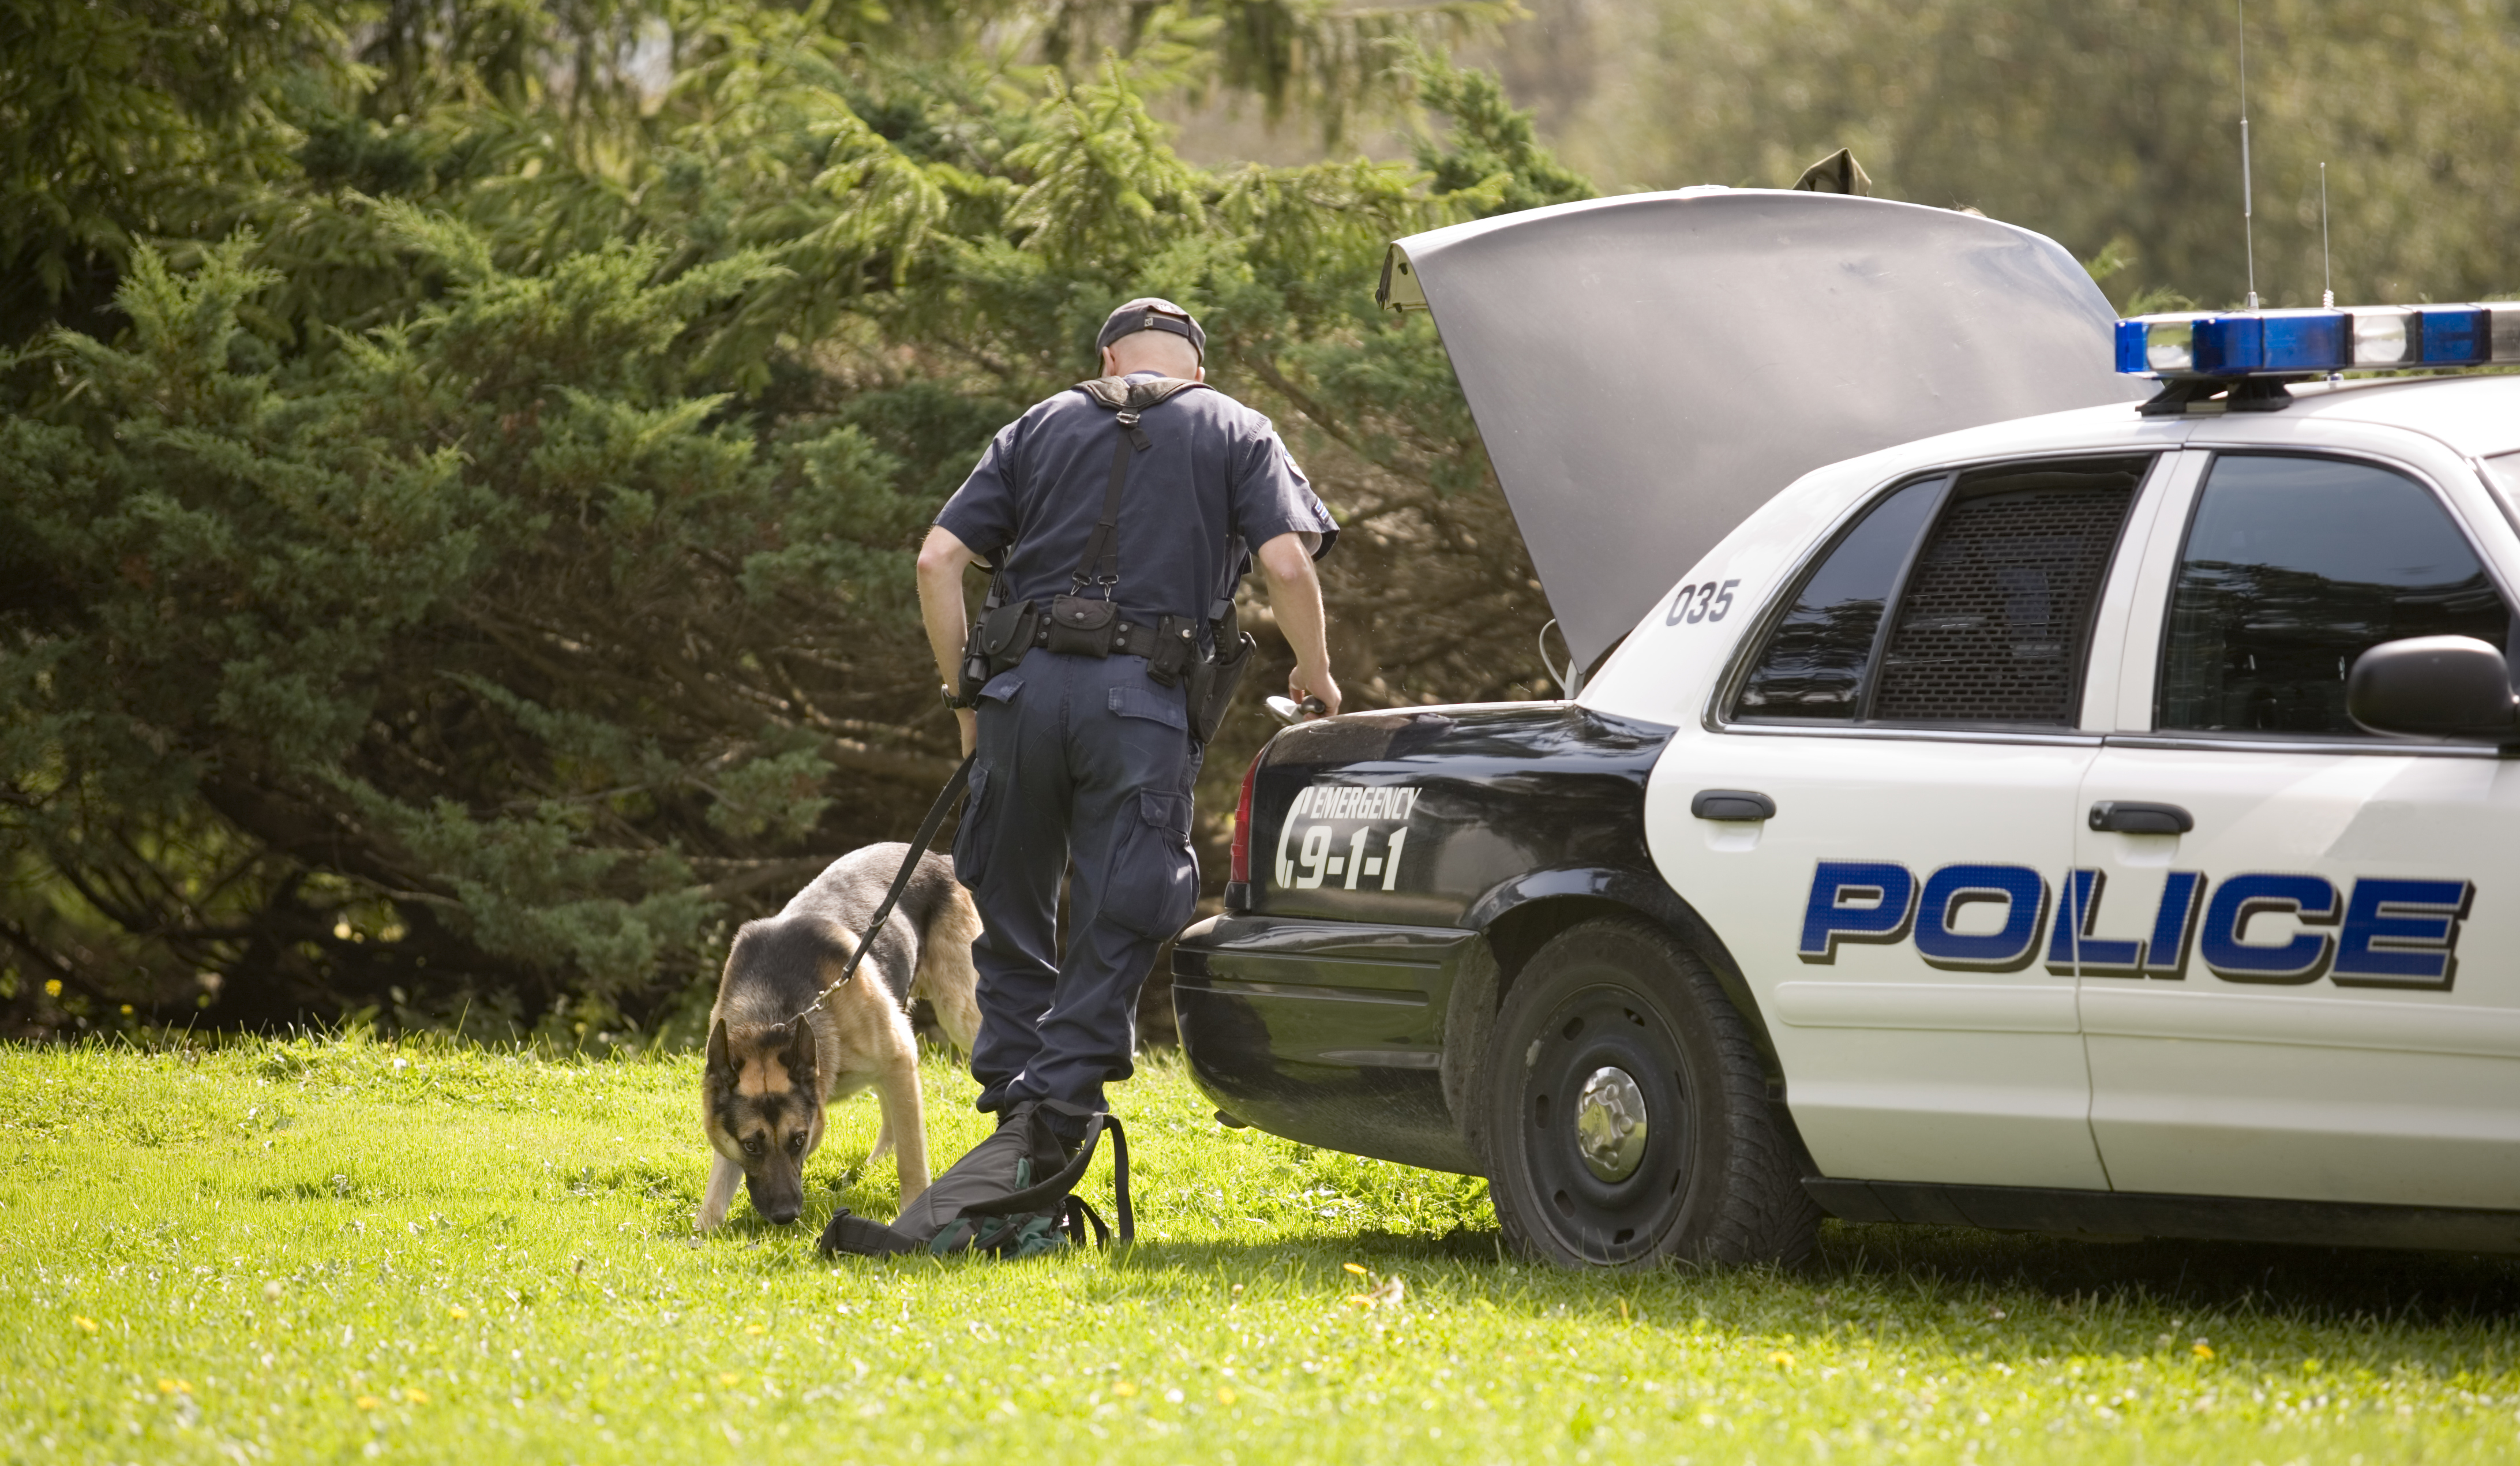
[{"x": 957, "y": 704}]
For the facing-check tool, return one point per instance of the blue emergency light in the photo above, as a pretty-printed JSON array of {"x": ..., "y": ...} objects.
[{"x": 2191, "y": 345}]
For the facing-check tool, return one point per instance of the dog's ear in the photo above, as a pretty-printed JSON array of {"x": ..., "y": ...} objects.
[
  {"x": 798, "y": 1056},
  {"x": 720, "y": 1060}
]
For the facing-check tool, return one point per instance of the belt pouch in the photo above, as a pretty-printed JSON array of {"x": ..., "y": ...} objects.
[
  {"x": 1005, "y": 635},
  {"x": 1212, "y": 684},
  {"x": 1082, "y": 626}
]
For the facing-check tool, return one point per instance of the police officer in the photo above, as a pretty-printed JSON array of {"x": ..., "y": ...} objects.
[{"x": 1090, "y": 758}]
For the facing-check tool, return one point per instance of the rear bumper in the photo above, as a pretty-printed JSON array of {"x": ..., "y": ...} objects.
[{"x": 1329, "y": 1033}]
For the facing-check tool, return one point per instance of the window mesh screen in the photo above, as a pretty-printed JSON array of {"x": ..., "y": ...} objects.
[{"x": 1998, "y": 609}]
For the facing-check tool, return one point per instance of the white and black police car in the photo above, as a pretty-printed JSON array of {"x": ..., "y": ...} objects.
[{"x": 2066, "y": 786}]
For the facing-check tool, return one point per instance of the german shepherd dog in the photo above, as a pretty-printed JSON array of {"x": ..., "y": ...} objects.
[{"x": 777, "y": 1056}]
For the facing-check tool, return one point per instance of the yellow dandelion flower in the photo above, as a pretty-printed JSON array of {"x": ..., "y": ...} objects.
[
  {"x": 458, "y": 1310},
  {"x": 2203, "y": 1350},
  {"x": 753, "y": 1328},
  {"x": 1124, "y": 1389},
  {"x": 1782, "y": 1359},
  {"x": 51, "y": 986},
  {"x": 88, "y": 1325},
  {"x": 366, "y": 1401},
  {"x": 1353, "y": 1268},
  {"x": 728, "y": 1380},
  {"x": 173, "y": 1387},
  {"x": 1225, "y": 1395},
  {"x": 416, "y": 1395}
]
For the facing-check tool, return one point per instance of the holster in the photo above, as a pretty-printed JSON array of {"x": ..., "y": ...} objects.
[
  {"x": 1212, "y": 684},
  {"x": 1082, "y": 625}
]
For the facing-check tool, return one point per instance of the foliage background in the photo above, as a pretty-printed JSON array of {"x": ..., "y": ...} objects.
[
  {"x": 458, "y": 458},
  {"x": 2111, "y": 125}
]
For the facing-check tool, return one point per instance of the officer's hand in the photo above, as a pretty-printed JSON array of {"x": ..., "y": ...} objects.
[
  {"x": 1302, "y": 684},
  {"x": 969, "y": 719}
]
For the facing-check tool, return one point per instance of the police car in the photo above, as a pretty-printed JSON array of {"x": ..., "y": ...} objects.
[{"x": 2051, "y": 773}]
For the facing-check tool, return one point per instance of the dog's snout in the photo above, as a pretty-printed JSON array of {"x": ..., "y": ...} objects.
[{"x": 778, "y": 1199}]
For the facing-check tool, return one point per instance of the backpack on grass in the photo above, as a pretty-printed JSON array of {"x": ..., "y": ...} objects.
[{"x": 1011, "y": 1196}]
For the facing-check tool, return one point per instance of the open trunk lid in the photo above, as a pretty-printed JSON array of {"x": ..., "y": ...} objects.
[{"x": 1647, "y": 369}]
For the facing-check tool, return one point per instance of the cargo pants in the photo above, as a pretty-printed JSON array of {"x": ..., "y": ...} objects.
[{"x": 1089, "y": 760}]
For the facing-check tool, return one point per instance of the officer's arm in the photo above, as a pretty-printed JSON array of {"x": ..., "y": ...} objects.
[
  {"x": 941, "y": 606},
  {"x": 1296, "y": 595}
]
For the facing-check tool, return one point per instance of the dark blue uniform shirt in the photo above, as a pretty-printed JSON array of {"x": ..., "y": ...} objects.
[{"x": 1216, "y": 471}]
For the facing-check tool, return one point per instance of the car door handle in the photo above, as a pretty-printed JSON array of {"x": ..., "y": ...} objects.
[
  {"x": 2130, "y": 817},
  {"x": 1744, "y": 805}
]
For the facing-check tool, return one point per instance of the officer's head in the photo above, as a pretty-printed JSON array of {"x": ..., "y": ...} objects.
[{"x": 1153, "y": 335}]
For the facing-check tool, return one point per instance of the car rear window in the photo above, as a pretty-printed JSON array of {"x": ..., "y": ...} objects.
[
  {"x": 1817, "y": 658},
  {"x": 1994, "y": 606},
  {"x": 1998, "y": 609}
]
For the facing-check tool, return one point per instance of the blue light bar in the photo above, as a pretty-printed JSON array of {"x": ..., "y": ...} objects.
[
  {"x": 2456, "y": 336},
  {"x": 2217, "y": 345}
]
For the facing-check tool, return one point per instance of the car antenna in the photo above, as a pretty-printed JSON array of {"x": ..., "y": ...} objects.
[
  {"x": 2248, "y": 220},
  {"x": 2327, "y": 262}
]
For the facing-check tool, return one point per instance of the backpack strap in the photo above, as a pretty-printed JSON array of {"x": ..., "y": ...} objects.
[
  {"x": 1052, "y": 1190},
  {"x": 863, "y": 1237}
]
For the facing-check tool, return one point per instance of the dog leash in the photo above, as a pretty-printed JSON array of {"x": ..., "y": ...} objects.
[{"x": 928, "y": 828}]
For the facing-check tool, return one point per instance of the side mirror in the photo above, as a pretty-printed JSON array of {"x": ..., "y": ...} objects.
[{"x": 2436, "y": 688}]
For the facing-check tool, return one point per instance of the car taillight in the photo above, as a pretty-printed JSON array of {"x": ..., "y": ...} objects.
[{"x": 1238, "y": 864}]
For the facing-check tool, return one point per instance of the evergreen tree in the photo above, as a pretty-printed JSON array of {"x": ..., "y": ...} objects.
[{"x": 482, "y": 577}]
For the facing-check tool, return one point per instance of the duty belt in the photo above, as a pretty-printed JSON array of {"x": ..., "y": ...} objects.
[
  {"x": 1129, "y": 639},
  {"x": 1079, "y": 624}
]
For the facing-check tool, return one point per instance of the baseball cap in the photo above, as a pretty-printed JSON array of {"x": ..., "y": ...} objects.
[{"x": 1151, "y": 313}]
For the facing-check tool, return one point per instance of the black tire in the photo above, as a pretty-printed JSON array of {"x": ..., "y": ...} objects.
[{"x": 1715, "y": 1181}]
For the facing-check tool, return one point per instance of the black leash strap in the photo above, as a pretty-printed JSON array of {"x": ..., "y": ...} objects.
[{"x": 927, "y": 828}]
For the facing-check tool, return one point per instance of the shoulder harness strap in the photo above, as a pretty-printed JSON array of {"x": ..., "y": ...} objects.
[{"x": 1100, "y": 564}]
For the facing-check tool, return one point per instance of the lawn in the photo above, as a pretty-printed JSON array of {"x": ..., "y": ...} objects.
[{"x": 347, "y": 1249}]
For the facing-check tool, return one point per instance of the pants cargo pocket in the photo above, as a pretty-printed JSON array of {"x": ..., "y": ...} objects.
[
  {"x": 971, "y": 836},
  {"x": 1153, "y": 882},
  {"x": 976, "y": 833}
]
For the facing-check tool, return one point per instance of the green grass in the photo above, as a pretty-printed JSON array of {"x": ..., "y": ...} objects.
[{"x": 345, "y": 1249}]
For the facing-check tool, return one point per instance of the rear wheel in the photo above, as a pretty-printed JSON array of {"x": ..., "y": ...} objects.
[{"x": 1626, "y": 1118}]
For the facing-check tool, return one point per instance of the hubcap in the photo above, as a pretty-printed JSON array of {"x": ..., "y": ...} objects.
[
  {"x": 1610, "y": 1124},
  {"x": 1604, "y": 1061}
]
